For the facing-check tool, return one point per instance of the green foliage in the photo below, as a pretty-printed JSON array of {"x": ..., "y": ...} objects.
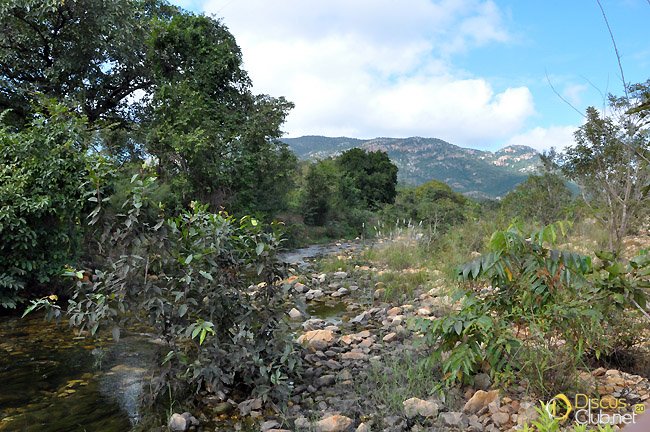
[
  {"x": 546, "y": 423},
  {"x": 432, "y": 204},
  {"x": 544, "y": 309},
  {"x": 368, "y": 177},
  {"x": 214, "y": 140},
  {"x": 42, "y": 180},
  {"x": 92, "y": 61},
  {"x": 205, "y": 283},
  {"x": 317, "y": 202},
  {"x": 609, "y": 161},
  {"x": 541, "y": 199}
]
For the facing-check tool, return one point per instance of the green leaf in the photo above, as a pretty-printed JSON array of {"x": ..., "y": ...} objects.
[
  {"x": 458, "y": 327},
  {"x": 206, "y": 275},
  {"x": 189, "y": 259},
  {"x": 260, "y": 248},
  {"x": 182, "y": 310}
]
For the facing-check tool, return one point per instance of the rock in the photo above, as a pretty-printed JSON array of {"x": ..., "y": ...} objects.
[
  {"x": 394, "y": 311},
  {"x": 500, "y": 418},
  {"x": 340, "y": 275},
  {"x": 334, "y": 423},
  {"x": 390, "y": 337},
  {"x": 314, "y": 294},
  {"x": 295, "y": 314},
  {"x": 302, "y": 423},
  {"x": 352, "y": 355},
  {"x": 362, "y": 428},
  {"x": 190, "y": 419},
  {"x": 527, "y": 413},
  {"x": 482, "y": 381},
  {"x": 269, "y": 424},
  {"x": 455, "y": 420},
  {"x": 177, "y": 423},
  {"x": 362, "y": 318},
  {"x": 379, "y": 293},
  {"x": 317, "y": 340},
  {"x": 326, "y": 380},
  {"x": 417, "y": 407},
  {"x": 480, "y": 399},
  {"x": 249, "y": 405},
  {"x": 299, "y": 288},
  {"x": 424, "y": 311}
]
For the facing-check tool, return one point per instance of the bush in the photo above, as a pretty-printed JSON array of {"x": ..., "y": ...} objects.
[
  {"x": 544, "y": 310},
  {"x": 42, "y": 177},
  {"x": 205, "y": 283}
]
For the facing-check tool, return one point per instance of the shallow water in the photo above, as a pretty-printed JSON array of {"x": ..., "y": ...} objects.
[
  {"x": 300, "y": 256},
  {"x": 51, "y": 380}
]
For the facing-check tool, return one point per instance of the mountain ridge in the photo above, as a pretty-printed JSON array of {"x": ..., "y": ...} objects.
[{"x": 476, "y": 173}]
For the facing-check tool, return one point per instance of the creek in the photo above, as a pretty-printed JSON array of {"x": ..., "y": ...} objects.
[{"x": 52, "y": 380}]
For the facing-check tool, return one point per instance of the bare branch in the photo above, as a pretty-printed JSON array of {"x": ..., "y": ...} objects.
[
  {"x": 562, "y": 97},
  {"x": 618, "y": 55}
]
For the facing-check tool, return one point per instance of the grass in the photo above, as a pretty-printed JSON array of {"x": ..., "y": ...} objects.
[
  {"x": 401, "y": 286},
  {"x": 388, "y": 383}
]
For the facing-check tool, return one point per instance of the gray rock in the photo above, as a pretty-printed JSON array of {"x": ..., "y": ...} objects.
[
  {"x": 362, "y": 428},
  {"x": 340, "y": 275},
  {"x": 295, "y": 314},
  {"x": 482, "y": 381},
  {"x": 177, "y": 423},
  {"x": 314, "y": 294},
  {"x": 500, "y": 418},
  {"x": 455, "y": 419},
  {"x": 269, "y": 424}
]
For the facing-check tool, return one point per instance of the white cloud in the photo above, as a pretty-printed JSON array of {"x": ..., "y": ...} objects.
[
  {"x": 574, "y": 92},
  {"x": 541, "y": 138},
  {"x": 369, "y": 68}
]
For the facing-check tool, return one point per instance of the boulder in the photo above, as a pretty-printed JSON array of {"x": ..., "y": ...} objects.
[
  {"x": 334, "y": 423},
  {"x": 479, "y": 400},
  {"x": 295, "y": 314},
  {"x": 417, "y": 407},
  {"x": 177, "y": 423},
  {"x": 317, "y": 340}
]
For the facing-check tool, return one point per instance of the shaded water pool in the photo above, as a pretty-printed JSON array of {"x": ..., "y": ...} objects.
[{"x": 52, "y": 381}]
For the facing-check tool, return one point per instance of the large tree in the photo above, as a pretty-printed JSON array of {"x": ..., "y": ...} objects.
[
  {"x": 170, "y": 84},
  {"x": 372, "y": 174}
]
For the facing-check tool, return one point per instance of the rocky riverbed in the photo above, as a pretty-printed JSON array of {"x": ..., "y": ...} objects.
[{"x": 362, "y": 357}]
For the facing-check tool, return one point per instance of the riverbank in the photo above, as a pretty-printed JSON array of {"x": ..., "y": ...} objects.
[{"x": 366, "y": 368}]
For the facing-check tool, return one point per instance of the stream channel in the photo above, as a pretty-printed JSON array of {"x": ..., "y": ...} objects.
[{"x": 52, "y": 380}]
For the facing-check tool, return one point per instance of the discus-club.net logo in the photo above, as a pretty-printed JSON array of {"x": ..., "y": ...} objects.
[{"x": 586, "y": 410}]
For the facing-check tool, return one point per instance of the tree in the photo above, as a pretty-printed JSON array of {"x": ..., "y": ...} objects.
[
  {"x": 212, "y": 137},
  {"x": 434, "y": 203},
  {"x": 90, "y": 53},
  {"x": 608, "y": 162},
  {"x": 372, "y": 174},
  {"x": 319, "y": 190},
  {"x": 540, "y": 199}
]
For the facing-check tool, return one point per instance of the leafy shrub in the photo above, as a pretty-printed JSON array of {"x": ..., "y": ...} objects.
[
  {"x": 205, "y": 283},
  {"x": 42, "y": 174},
  {"x": 544, "y": 310}
]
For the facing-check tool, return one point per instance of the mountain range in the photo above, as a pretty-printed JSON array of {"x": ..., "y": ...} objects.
[{"x": 476, "y": 173}]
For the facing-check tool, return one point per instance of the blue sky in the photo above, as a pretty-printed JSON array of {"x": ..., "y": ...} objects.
[{"x": 472, "y": 72}]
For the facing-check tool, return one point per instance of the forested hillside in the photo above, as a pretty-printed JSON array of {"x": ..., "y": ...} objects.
[{"x": 476, "y": 173}]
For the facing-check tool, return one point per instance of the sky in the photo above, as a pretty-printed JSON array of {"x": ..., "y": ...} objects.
[{"x": 476, "y": 73}]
